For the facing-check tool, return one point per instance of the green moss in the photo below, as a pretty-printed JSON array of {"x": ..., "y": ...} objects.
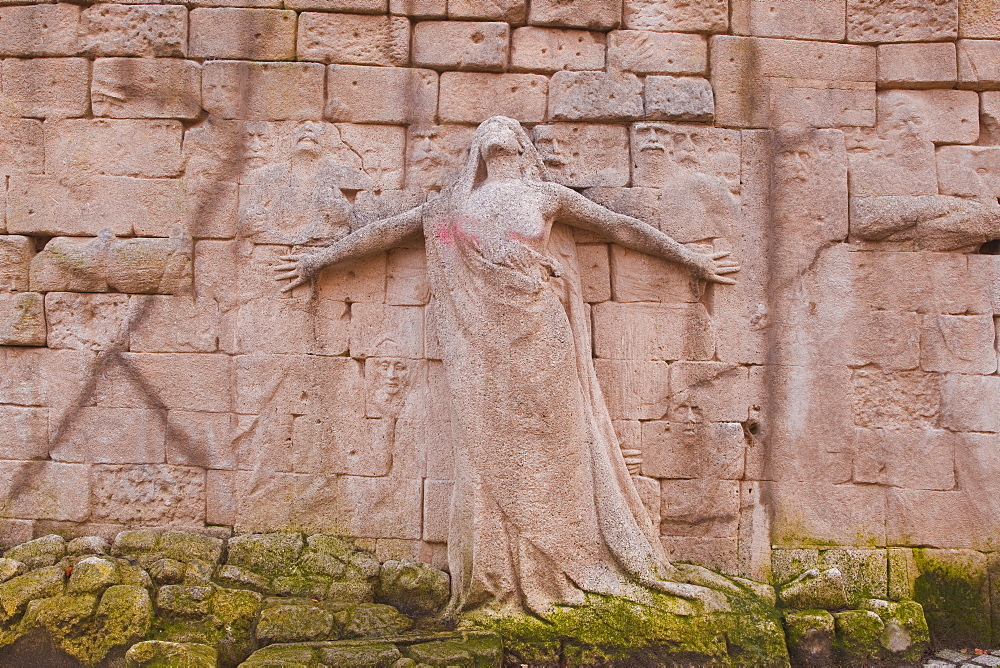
[
  {"x": 68, "y": 622},
  {"x": 360, "y": 655},
  {"x": 159, "y": 654},
  {"x": 810, "y": 636},
  {"x": 858, "y": 637},
  {"x": 662, "y": 630},
  {"x": 953, "y": 588}
]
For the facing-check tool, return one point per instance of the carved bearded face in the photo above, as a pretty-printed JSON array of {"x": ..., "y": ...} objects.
[{"x": 308, "y": 137}]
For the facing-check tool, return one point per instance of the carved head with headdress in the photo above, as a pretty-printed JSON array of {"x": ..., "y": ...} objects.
[{"x": 498, "y": 135}]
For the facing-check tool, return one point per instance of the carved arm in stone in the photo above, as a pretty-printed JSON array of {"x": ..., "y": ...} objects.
[
  {"x": 380, "y": 236},
  {"x": 577, "y": 210}
]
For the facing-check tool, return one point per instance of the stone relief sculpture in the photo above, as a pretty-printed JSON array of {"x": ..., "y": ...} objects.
[{"x": 544, "y": 510}]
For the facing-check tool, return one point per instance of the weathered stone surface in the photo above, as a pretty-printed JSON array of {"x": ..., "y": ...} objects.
[
  {"x": 815, "y": 589},
  {"x": 796, "y": 19},
  {"x": 44, "y": 551},
  {"x": 947, "y": 116},
  {"x": 45, "y": 87},
  {"x": 470, "y": 97},
  {"x": 680, "y": 15},
  {"x": 679, "y": 99},
  {"x": 901, "y": 20},
  {"x": 582, "y": 155},
  {"x": 595, "y": 96},
  {"x": 917, "y": 65},
  {"x": 134, "y": 30},
  {"x": 17, "y": 592},
  {"x": 353, "y": 39},
  {"x": 159, "y": 652},
  {"x": 647, "y": 52},
  {"x": 262, "y": 91},
  {"x": 39, "y": 30},
  {"x": 413, "y": 588},
  {"x": 242, "y": 33},
  {"x": 56, "y": 491},
  {"x": 536, "y": 49},
  {"x": 977, "y": 19},
  {"x": 291, "y": 623},
  {"x": 120, "y": 493},
  {"x": 21, "y": 147},
  {"x": 979, "y": 63},
  {"x": 22, "y": 319},
  {"x": 461, "y": 45},
  {"x": 146, "y": 88},
  {"x": 372, "y": 620},
  {"x": 590, "y": 14},
  {"x": 114, "y": 147},
  {"x": 704, "y": 508}
]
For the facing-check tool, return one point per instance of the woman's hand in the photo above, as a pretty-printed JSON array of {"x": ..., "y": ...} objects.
[
  {"x": 299, "y": 268},
  {"x": 713, "y": 267}
]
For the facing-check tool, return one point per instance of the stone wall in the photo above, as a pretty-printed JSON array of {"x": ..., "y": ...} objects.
[{"x": 157, "y": 159}]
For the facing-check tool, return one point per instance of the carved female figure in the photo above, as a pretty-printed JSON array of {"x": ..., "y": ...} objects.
[{"x": 544, "y": 509}]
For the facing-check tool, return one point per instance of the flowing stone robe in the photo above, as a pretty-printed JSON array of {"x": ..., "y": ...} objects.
[{"x": 543, "y": 507}]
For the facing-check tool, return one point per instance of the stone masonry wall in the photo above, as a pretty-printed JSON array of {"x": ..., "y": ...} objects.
[{"x": 157, "y": 159}]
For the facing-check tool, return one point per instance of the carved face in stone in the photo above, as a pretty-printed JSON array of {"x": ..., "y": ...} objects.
[
  {"x": 685, "y": 151},
  {"x": 653, "y": 137},
  {"x": 256, "y": 144},
  {"x": 548, "y": 147},
  {"x": 393, "y": 372},
  {"x": 688, "y": 416},
  {"x": 906, "y": 122},
  {"x": 499, "y": 139},
  {"x": 309, "y": 137}
]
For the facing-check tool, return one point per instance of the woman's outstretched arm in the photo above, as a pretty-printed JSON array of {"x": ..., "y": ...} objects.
[
  {"x": 576, "y": 209},
  {"x": 300, "y": 268}
]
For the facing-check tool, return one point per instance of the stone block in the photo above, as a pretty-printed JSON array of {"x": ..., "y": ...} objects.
[
  {"x": 358, "y": 94},
  {"x": 901, "y": 165},
  {"x": 511, "y": 11},
  {"x": 917, "y": 65},
  {"x": 979, "y": 64},
  {"x": 902, "y": 573},
  {"x": 679, "y": 99},
  {"x": 590, "y": 14},
  {"x": 45, "y": 87},
  {"x": 262, "y": 91},
  {"x": 896, "y": 399},
  {"x": 815, "y": 590},
  {"x": 634, "y": 390},
  {"x": 200, "y": 439},
  {"x": 116, "y": 147},
  {"x": 23, "y": 432},
  {"x": 709, "y": 391},
  {"x": 647, "y": 52},
  {"x": 769, "y": 82},
  {"x": 45, "y": 490},
  {"x": 677, "y": 15},
  {"x": 901, "y": 21},
  {"x": 865, "y": 572},
  {"x": 291, "y": 327},
  {"x": 810, "y": 513},
  {"x": 434, "y": 154},
  {"x": 39, "y": 30},
  {"x": 978, "y": 19},
  {"x": 582, "y": 155},
  {"x": 146, "y": 88},
  {"x": 946, "y": 116},
  {"x": 15, "y": 259},
  {"x": 406, "y": 281},
  {"x": 22, "y": 319},
  {"x": 703, "y": 508},
  {"x": 684, "y": 163},
  {"x": 437, "y": 508},
  {"x": 536, "y": 49},
  {"x": 421, "y": 9},
  {"x": 177, "y": 324},
  {"x": 461, "y": 45},
  {"x": 960, "y": 414},
  {"x": 912, "y": 459},
  {"x": 810, "y": 635},
  {"x": 147, "y": 494},
  {"x": 594, "y": 272},
  {"x": 969, "y": 171},
  {"x": 108, "y": 435},
  {"x": 184, "y": 381},
  {"x": 794, "y": 19},
  {"x": 693, "y": 450},
  {"x": 350, "y": 6},
  {"x": 242, "y": 33},
  {"x": 48, "y": 205},
  {"x": 644, "y": 331},
  {"x": 152, "y": 266},
  {"x": 360, "y": 281},
  {"x": 958, "y": 344},
  {"x": 86, "y": 321},
  {"x": 931, "y": 518},
  {"x": 472, "y": 97},
  {"x": 719, "y": 554},
  {"x": 354, "y": 39},
  {"x": 372, "y": 324},
  {"x": 134, "y": 30},
  {"x": 219, "y": 497},
  {"x": 595, "y": 96},
  {"x": 21, "y": 147}
]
